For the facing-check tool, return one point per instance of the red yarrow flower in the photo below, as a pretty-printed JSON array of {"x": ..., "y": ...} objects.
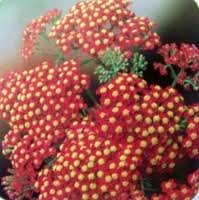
[
  {"x": 34, "y": 29},
  {"x": 93, "y": 26}
]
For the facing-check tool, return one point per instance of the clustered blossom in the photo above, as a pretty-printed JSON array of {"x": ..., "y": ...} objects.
[
  {"x": 134, "y": 132},
  {"x": 171, "y": 190},
  {"x": 105, "y": 155},
  {"x": 10, "y": 140},
  {"x": 184, "y": 59},
  {"x": 117, "y": 98},
  {"x": 39, "y": 105},
  {"x": 190, "y": 141},
  {"x": 150, "y": 116},
  {"x": 34, "y": 29},
  {"x": 93, "y": 26},
  {"x": 20, "y": 183},
  {"x": 39, "y": 99},
  {"x": 89, "y": 166}
]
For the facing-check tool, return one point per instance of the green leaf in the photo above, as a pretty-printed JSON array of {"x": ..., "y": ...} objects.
[
  {"x": 112, "y": 62},
  {"x": 139, "y": 64},
  {"x": 44, "y": 36},
  {"x": 85, "y": 62}
]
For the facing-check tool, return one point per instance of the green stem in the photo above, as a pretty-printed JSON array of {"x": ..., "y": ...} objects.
[
  {"x": 192, "y": 83},
  {"x": 85, "y": 62},
  {"x": 92, "y": 97},
  {"x": 49, "y": 162},
  {"x": 58, "y": 55},
  {"x": 44, "y": 36},
  {"x": 174, "y": 76}
]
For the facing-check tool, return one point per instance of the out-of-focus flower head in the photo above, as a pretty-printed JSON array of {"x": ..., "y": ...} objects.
[
  {"x": 93, "y": 26},
  {"x": 34, "y": 29},
  {"x": 182, "y": 63}
]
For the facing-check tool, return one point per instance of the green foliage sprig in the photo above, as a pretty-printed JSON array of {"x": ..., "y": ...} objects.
[
  {"x": 112, "y": 62},
  {"x": 139, "y": 64}
]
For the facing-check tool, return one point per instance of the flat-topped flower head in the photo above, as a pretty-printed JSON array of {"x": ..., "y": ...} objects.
[
  {"x": 89, "y": 166},
  {"x": 39, "y": 104},
  {"x": 40, "y": 94},
  {"x": 93, "y": 26}
]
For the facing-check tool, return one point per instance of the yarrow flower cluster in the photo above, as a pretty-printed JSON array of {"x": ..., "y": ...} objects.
[
  {"x": 190, "y": 142},
  {"x": 182, "y": 62},
  {"x": 34, "y": 29},
  {"x": 31, "y": 97},
  {"x": 39, "y": 105},
  {"x": 93, "y": 26},
  {"x": 83, "y": 167},
  {"x": 151, "y": 116},
  {"x": 171, "y": 190},
  {"x": 61, "y": 148}
]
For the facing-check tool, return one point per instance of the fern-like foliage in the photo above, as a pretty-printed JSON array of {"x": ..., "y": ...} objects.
[
  {"x": 139, "y": 64},
  {"x": 112, "y": 62}
]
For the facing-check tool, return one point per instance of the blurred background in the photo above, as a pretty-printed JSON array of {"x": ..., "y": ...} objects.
[{"x": 178, "y": 22}]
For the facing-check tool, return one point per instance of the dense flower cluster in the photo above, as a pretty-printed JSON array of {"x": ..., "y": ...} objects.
[
  {"x": 190, "y": 141},
  {"x": 42, "y": 97},
  {"x": 97, "y": 25},
  {"x": 19, "y": 184},
  {"x": 184, "y": 59},
  {"x": 39, "y": 105},
  {"x": 171, "y": 190},
  {"x": 135, "y": 131},
  {"x": 133, "y": 195},
  {"x": 151, "y": 116},
  {"x": 34, "y": 29},
  {"x": 89, "y": 166}
]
